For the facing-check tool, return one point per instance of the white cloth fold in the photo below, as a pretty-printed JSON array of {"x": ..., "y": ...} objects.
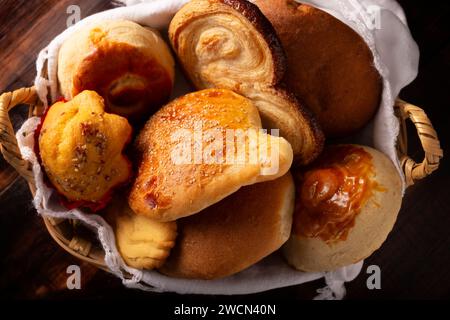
[{"x": 395, "y": 57}]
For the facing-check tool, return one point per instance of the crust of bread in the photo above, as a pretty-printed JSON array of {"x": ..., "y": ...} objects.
[
  {"x": 372, "y": 226},
  {"x": 235, "y": 233}
]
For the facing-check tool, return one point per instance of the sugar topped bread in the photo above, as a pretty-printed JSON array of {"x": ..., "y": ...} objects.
[{"x": 169, "y": 186}]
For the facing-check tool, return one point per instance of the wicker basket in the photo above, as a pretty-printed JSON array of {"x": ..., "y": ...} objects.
[{"x": 64, "y": 231}]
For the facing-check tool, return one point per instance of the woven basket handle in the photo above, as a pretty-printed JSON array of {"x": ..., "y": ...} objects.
[
  {"x": 428, "y": 137},
  {"x": 8, "y": 142}
]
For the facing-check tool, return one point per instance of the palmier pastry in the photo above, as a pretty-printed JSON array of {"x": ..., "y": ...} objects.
[
  {"x": 199, "y": 149},
  {"x": 142, "y": 242},
  {"x": 80, "y": 146},
  {"x": 347, "y": 203},
  {"x": 130, "y": 66},
  {"x": 330, "y": 67},
  {"x": 234, "y": 233},
  {"x": 230, "y": 44}
]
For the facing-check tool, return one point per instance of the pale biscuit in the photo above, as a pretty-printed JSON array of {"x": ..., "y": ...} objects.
[{"x": 142, "y": 242}]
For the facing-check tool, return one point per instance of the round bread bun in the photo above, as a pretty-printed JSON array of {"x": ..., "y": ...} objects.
[
  {"x": 234, "y": 233},
  {"x": 129, "y": 65},
  {"x": 330, "y": 67},
  {"x": 355, "y": 237},
  {"x": 81, "y": 148}
]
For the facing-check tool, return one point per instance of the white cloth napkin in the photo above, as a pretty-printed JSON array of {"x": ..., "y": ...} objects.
[{"x": 395, "y": 57}]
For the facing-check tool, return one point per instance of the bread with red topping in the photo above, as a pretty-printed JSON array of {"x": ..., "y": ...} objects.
[{"x": 81, "y": 149}]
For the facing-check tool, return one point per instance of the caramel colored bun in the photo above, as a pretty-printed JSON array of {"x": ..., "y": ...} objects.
[
  {"x": 81, "y": 148},
  {"x": 142, "y": 242},
  {"x": 347, "y": 203},
  {"x": 199, "y": 149},
  {"x": 230, "y": 44},
  {"x": 330, "y": 67},
  {"x": 235, "y": 233},
  {"x": 130, "y": 66}
]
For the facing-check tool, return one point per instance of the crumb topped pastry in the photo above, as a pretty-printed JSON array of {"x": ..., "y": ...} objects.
[
  {"x": 330, "y": 66},
  {"x": 81, "y": 148}
]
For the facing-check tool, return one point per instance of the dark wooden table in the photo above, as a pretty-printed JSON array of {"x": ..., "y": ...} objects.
[{"x": 414, "y": 261}]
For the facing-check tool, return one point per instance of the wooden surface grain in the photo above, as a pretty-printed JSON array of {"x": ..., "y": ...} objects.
[{"x": 414, "y": 261}]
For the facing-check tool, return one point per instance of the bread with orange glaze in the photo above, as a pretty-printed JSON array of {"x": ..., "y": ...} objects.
[
  {"x": 346, "y": 204},
  {"x": 129, "y": 65}
]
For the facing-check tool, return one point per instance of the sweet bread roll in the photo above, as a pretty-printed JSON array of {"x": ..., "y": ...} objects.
[
  {"x": 235, "y": 233},
  {"x": 199, "y": 149},
  {"x": 142, "y": 242},
  {"x": 130, "y": 66},
  {"x": 347, "y": 203},
  {"x": 80, "y": 146},
  {"x": 330, "y": 67},
  {"x": 230, "y": 44}
]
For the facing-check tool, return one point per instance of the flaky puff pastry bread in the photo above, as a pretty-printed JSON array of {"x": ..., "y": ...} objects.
[
  {"x": 129, "y": 65},
  {"x": 234, "y": 233},
  {"x": 347, "y": 203},
  {"x": 230, "y": 44},
  {"x": 199, "y": 149},
  {"x": 142, "y": 242},
  {"x": 81, "y": 149}
]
